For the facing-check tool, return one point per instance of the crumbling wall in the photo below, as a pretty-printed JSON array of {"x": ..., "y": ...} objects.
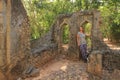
[
  {"x": 54, "y": 37},
  {"x": 99, "y": 60},
  {"x": 111, "y": 60},
  {"x": 20, "y": 38},
  {"x": 50, "y": 44},
  {"x": 15, "y": 52},
  {"x": 74, "y": 21},
  {"x": 20, "y": 32},
  {"x": 3, "y": 60},
  {"x": 103, "y": 63},
  {"x": 15, "y": 39},
  {"x": 44, "y": 49}
]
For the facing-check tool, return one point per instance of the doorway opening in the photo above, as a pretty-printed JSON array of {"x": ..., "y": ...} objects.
[
  {"x": 87, "y": 30},
  {"x": 65, "y": 36}
]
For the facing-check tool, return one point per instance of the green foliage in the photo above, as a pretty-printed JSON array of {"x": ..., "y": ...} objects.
[
  {"x": 87, "y": 29},
  {"x": 111, "y": 18},
  {"x": 66, "y": 33},
  {"x": 42, "y": 14}
]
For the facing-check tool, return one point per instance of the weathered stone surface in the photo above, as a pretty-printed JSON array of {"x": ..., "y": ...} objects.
[
  {"x": 1, "y": 6},
  {"x": 111, "y": 60},
  {"x": 104, "y": 60},
  {"x": 74, "y": 21},
  {"x": 41, "y": 58},
  {"x": 2, "y": 77},
  {"x": 14, "y": 38},
  {"x": 15, "y": 55},
  {"x": 53, "y": 39},
  {"x": 95, "y": 63}
]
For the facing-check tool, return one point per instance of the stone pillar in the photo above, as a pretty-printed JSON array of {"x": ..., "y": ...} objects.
[
  {"x": 96, "y": 30},
  {"x": 8, "y": 30},
  {"x": 73, "y": 31},
  {"x": 2, "y": 36},
  {"x": 2, "y": 41},
  {"x": 95, "y": 63},
  {"x": 14, "y": 38}
]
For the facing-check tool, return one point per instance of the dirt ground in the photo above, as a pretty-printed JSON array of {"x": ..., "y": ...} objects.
[{"x": 62, "y": 69}]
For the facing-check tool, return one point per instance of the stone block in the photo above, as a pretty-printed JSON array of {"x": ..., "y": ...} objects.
[
  {"x": 111, "y": 60},
  {"x": 95, "y": 63},
  {"x": 99, "y": 64}
]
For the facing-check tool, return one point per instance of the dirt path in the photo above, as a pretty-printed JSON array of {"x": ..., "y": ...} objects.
[
  {"x": 53, "y": 66},
  {"x": 62, "y": 69},
  {"x": 113, "y": 46}
]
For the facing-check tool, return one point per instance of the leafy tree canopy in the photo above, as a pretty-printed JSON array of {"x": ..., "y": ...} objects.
[{"x": 42, "y": 14}]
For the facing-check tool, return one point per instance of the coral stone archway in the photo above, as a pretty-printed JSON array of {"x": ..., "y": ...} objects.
[
  {"x": 74, "y": 21},
  {"x": 61, "y": 42}
]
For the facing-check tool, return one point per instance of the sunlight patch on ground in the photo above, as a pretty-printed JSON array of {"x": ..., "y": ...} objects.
[
  {"x": 113, "y": 46},
  {"x": 64, "y": 68}
]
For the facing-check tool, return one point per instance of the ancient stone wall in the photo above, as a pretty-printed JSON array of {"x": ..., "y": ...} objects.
[
  {"x": 74, "y": 21},
  {"x": 3, "y": 26},
  {"x": 43, "y": 50},
  {"x": 14, "y": 38},
  {"x": 104, "y": 61},
  {"x": 53, "y": 41},
  {"x": 20, "y": 33},
  {"x": 111, "y": 60},
  {"x": 2, "y": 35},
  {"x": 15, "y": 55}
]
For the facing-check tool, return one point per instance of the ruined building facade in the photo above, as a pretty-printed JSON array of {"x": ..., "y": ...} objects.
[{"x": 16, "y": 54}]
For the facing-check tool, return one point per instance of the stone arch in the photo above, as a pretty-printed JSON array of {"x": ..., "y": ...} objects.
[
  {"x": 62, "y": 26},
  {"x": 74, "y": 21},
  {"x": 84, "y": 24},
  {"x": 85, "y": 21}
]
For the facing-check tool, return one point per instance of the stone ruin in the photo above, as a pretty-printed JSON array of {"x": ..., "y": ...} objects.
[
  {"x": 74, "y": 21},
  {"x": 51, "y": 44},
  {"x": 14, "y": 39},
  {"x": 53, "y": 40},
  {"x": 18, "y": 57}
]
